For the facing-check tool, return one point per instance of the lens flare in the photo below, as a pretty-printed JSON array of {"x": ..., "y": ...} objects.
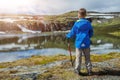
[{"x": 14, "y": 5}]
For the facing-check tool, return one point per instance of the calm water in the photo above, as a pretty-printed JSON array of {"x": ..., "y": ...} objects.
[{"x": 14, "y": 47}]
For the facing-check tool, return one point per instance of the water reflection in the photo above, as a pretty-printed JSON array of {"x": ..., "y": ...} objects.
[
  {"x": 16, "y": 46},
  {"x": 12, "y": 56},
  {"x": 32, "y": 41}
]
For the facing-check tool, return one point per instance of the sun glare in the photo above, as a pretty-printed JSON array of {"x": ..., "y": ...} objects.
[
  {"x": 14, "y": 4},
  {"x": 24, "y": 6}
]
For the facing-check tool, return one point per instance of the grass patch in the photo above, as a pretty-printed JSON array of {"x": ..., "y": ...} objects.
[
  {"x": 62, "y": 72},
  {"x": 58, "y": 73},
  {"x": 104, "y": 57},
  {"x": 110, "y": 22},
  {"x": 116, "y": 33},
  {"x": 6, "y": 76},
  {"x": 39, "y": 60},
  {"x": 34, "y": 60}
]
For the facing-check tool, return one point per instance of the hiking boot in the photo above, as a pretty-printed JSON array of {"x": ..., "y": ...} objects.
[
  {"x": 90, "y": 73},
  {"x": 77, "y": 72}
]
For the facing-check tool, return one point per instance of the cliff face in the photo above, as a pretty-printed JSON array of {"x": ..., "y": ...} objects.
[
  {"x": 35, "y": 26},
  {"x": 4, "y": 26},
  {"x": 46, "y": 23}
]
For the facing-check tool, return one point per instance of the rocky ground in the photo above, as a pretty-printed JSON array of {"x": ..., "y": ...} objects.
[{"x": 62, "y": 70}]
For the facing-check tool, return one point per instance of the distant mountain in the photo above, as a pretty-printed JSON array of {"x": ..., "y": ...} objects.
[
  {"x": 71, "y": 13},
  {"x": 112, "y": 12}
]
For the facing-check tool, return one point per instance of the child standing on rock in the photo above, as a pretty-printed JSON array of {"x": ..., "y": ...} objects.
[{"x": 82, "y": 31}]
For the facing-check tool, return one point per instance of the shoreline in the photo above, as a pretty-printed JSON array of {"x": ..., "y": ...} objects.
[
  {"x": 12, "y": 57},
  {"x": 37, "y": 60}
]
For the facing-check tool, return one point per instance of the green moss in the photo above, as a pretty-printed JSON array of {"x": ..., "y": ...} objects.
[
  {"x": 63, "y": 72},
  {"x": 62, "y": 18},
  {"x": 34, "y": 60},
  {"x": 39, "y": 60},
  {"x": 110, "y": 22},
  {"x": 6, "y": 76},
  {"x": 116, "y": 33},
  {"x": 104, "y": 57},
  {"x": 58, "y": 73}
]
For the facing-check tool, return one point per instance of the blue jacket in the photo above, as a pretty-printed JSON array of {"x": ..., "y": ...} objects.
[{"x": 82, "y": 31}]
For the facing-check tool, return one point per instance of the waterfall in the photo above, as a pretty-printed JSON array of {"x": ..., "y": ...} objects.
[
  {"x": 27, "y": 30},
  {"x": 20, "y": 26},
  {"x": 1, "y": 32}
]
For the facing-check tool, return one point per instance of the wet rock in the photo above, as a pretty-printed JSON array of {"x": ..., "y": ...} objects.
[{"x": 31, "y": 72}]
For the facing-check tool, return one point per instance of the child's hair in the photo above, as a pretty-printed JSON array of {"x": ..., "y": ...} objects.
[{"x": 82, "y": 12}]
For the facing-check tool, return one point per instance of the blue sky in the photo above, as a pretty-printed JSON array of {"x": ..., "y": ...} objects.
[{"x": 57, "y": 6}]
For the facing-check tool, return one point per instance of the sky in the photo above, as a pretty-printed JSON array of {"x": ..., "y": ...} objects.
[{"x": 57, "y": 6}]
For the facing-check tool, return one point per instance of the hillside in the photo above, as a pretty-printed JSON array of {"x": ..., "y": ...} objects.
[{"x": 50, "y": 23}]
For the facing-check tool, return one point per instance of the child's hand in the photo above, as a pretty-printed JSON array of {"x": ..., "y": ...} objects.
[{"x": 91, "y": 42}]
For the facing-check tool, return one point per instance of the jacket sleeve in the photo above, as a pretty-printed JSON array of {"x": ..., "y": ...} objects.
[
  {"x": 90, "y": 30},
  {"x": 72, "y": 32}
]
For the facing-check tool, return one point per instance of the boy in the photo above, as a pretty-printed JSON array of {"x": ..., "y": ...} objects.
[{"x": 82, "y": 31}]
